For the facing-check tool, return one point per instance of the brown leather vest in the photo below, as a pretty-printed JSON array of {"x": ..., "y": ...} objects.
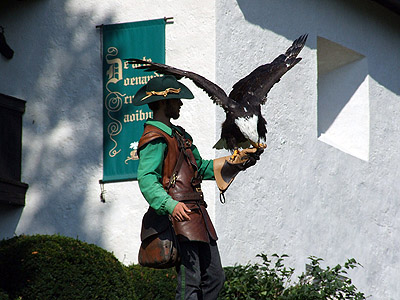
[{"x": 184, "y": 185}]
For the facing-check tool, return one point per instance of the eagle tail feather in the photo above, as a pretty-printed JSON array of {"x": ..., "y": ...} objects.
[{"x": 221, "y": 144}]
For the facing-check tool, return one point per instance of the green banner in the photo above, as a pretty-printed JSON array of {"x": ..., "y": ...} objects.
[{"x": 123, "y": 122}]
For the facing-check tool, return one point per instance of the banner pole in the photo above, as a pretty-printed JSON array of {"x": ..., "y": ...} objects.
[{"x": 168, "y": 20}]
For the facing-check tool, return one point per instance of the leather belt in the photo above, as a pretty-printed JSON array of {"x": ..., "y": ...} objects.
[
  {"x": 196, "y": 202},
  {"x": 197, "y": 196}
]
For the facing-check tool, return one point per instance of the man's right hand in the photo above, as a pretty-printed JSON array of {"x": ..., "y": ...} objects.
[{"x": 180, "y": 212}]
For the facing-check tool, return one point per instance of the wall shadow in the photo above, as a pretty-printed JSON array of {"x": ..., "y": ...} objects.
[
  {"x": 57, "y": 70},
  {"x": 9, "y": 218},
  {"x": 292, "y": 18}
]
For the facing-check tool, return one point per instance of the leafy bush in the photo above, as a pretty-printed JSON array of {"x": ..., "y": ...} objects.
[
  {"x": 273, "y": 281},
  {"x": 152, "y": 284},
  {"x": 3, "y": 295},
  {"x": 329, "y": 283},
  {"x": 55, "y": 267},
  {"x": 255, "y": 281}
]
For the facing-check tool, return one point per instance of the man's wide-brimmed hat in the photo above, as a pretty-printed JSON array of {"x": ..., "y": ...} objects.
[{"x": 160, "y": 88}]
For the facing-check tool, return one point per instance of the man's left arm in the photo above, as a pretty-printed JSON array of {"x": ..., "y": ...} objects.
[{"x": 206, "y": 170}]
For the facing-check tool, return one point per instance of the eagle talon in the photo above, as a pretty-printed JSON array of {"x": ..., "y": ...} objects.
[
  {"x": 259, "y": 145},
  {"x": 262, "y": 145},
  {"x": 236, "y": 152}
]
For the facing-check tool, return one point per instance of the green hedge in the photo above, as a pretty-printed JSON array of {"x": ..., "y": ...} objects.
[
  {"x": 55, "y": 267},
  {"x": 152, "y": 284},
  {"x": 3, "y": 295},
  {"x": 44, "y": 267}
]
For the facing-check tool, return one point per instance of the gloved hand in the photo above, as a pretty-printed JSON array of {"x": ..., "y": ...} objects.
[
  {"x": 252, "y": 156},
  {"x": 226, "y": 168}
]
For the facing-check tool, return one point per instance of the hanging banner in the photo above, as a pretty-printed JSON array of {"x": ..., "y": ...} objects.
[{"x": 123, "y": 122}]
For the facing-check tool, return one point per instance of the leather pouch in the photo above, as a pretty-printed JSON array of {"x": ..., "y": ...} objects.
[{"x": 159, "y": 247}]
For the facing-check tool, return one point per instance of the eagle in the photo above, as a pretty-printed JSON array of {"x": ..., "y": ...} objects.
[{"x": 244, "y": 125}]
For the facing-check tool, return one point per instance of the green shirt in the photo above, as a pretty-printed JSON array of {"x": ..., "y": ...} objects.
[{"x": 150, "y": 170}]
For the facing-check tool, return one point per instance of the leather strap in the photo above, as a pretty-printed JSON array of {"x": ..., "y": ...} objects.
[
  {"x": 189, "y": 196},
  {"x": 182, "y": 145},
  {"x": 175, "y": 172}
]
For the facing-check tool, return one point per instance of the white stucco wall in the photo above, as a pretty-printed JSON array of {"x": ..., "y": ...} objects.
[
  {"x": 305, "y": 197},
  {"x": 56, "y": 68}
]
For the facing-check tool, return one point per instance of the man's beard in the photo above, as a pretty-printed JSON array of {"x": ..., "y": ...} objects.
[{"x": 172, "y": 113}]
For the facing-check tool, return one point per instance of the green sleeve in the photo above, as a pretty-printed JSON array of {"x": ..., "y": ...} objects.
[
  {"x": 150, "y": 177},
  {"x": 205, "y": 166}
]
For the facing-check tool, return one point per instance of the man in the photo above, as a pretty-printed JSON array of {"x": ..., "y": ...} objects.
[{"x": 169, "y": 174}]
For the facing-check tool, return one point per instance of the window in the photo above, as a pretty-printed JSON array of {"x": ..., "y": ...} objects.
[
  {"x": 343, "y": 98},
  {"x": 12, "y": 190}
]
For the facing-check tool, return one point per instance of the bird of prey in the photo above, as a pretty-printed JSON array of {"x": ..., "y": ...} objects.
[{"x": 244, "y": 125}]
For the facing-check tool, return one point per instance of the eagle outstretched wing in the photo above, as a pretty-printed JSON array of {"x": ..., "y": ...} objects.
[
  {"x": 216, "y": 93},
  {"x": 244, "y": 124},
  {"x": 259, "y": 82}
]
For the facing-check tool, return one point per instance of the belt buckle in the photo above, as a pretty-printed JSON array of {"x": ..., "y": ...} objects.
[{"x": 198, "y": 190}]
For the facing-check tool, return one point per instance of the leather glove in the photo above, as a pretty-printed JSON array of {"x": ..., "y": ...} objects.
[
  {"x": 252, "y": 157},
  {"x": 226, "y": 168}
]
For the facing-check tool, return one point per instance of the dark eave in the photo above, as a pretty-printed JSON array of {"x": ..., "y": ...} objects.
[{"x": 393, "y": 5}]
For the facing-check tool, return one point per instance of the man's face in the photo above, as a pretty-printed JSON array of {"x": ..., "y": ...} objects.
[{"x": 172, "y": 108}]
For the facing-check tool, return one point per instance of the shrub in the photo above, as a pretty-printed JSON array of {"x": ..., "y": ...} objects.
[
  {"x": 55, "y": 267},
  {"x": 3, "y": 295},
  {"x": 255, "y": 281},
  {"x": 273, "y": 281},
  {"x": 329, "y": 283},
  {"x": 152, "y": 284}
]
